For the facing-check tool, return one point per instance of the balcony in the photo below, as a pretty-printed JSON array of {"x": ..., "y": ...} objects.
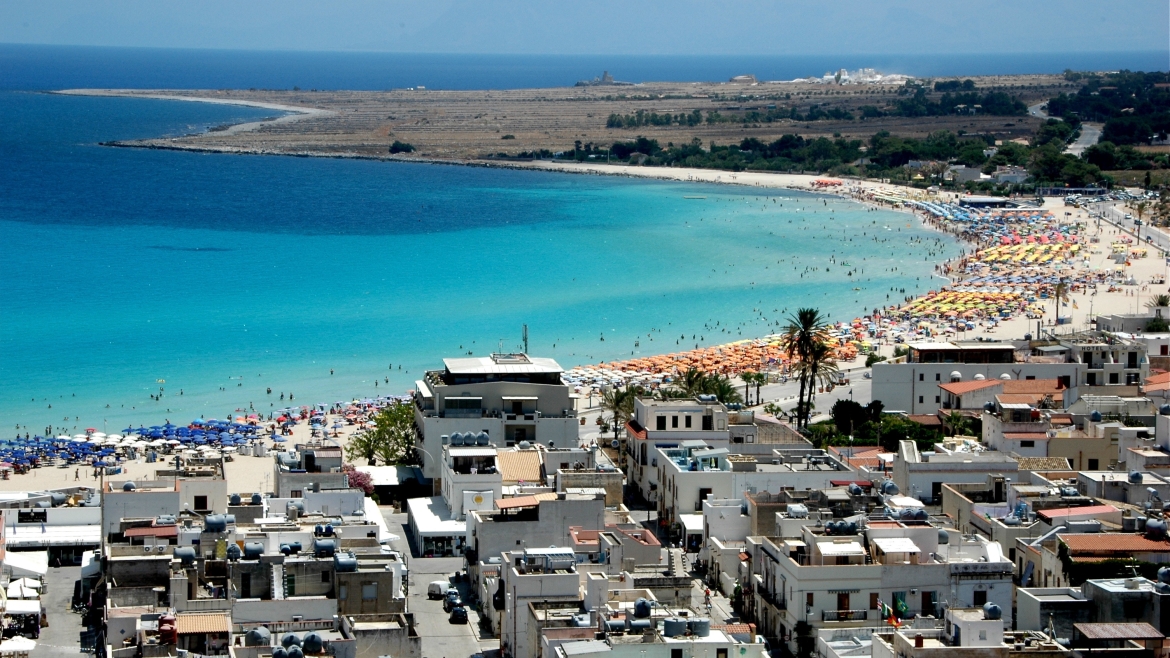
[{"x": 844, "y": 615}]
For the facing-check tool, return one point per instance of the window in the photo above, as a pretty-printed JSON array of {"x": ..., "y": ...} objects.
[
  {"x": 660, "y": 423},
  {"x": 674, "y": 422},
  {"x": 687, "y": 421},
  {"x": 808, "y": 599},
  {"x": 1029, "y": 377},
  {"x": 1012, "y": 554},
  {"x": 1113, "y": 378},
  {"x": 1094, "y": 465},
  {"x": 937, "y": 399},
  {"x": 1027, "y": 444},
  {"x": 324, "y": 576},
  {"x": 708, "y": 423},
  {"x": 369, "y": 591},
  {"x": 983, "y": 634},
  {"x": 721, "y": 653},
  {"x": 980, "y": 598},
  {"x": 938, "y": 376},
  {"x": 919, "y": 399},
  {"x": 1091, "y": 379},
  {"x": 873, "y": 600},
  {"x": 296, "y": 493},
  {"x": 1131, "y": 378},
  {"x": 342, "y": 593},
  {"x": 921, "y": 377},
  {"x": 200, "y": 503},
  {"x": 676, "y": 653},
  {"x": 1164, "y": 350}
]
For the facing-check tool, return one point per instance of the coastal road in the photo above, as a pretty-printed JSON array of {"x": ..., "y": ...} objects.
[
  {"x": 1038, "y": 110},
  {"x": 858, "y": 389},
  {"x": 1114, "y": 212},
  {"x": 1090, "y": 133}
]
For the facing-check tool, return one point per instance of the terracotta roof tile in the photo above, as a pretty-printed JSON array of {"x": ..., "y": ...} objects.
[
  {"x": 187, "y": 624},
  {"x": 1024, "y": 436},
  {"x": 1119, "y": 631},
  {"x": 1076, "y": 511},
  {"x": 1042, "y": 463},
  {"x": 1113, "y": 542},
  {"x": 517, "y": 465},
  {"x": 1032, "y": 386}
]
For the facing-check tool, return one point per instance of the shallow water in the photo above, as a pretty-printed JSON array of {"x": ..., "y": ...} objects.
[{"x": 225, "y": 275}]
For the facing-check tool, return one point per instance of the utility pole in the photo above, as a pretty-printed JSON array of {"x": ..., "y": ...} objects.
[{"x": 526, "y": 339}]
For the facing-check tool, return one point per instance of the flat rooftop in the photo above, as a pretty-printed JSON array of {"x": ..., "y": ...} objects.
[{"x": 502, "y": 364}]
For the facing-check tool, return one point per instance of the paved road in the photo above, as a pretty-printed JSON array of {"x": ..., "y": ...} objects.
[
  {"x": 62, "y": 637},
  {"x": 1090, "y": 133},
  {"x": 440, "y": 638},
  {"x": 1114, "y": 212},
  {"x": 1037, "y": 111}
]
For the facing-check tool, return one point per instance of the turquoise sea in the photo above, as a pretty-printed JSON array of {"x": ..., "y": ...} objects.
[{"x": 226, "y": 275}]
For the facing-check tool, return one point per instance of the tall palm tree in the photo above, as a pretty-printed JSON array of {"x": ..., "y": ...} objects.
[
  {"x": 1157, "y": 302},
  {"x": 694, "y": 382},
  {"x": 819, "y": 368},
  {"x": 806, "y": 328},
  {"x": 619, "y": 403},
  {"x": 1061, "y": 296},
  {"x": 748, "y": 378}
]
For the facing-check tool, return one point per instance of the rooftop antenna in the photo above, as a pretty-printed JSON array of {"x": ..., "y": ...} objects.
[
  {"x": 500, "y": 349},
  {"x": 526, "y": 339}
]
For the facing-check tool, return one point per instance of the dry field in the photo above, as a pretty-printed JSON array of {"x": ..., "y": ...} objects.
[{"x": 460, "y": 125}]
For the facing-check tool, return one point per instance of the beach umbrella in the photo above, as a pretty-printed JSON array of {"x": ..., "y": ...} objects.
[{"x": 173, "y": 442}]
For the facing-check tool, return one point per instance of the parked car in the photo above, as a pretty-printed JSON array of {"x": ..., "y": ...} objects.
[
  {"x": 452, "y": 601},
  {"x": 458, "y": 615},
  {"x": 437, "y": 589}
]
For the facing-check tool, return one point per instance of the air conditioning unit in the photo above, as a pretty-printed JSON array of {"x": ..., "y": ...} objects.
[
  {"x": 161, "y": 548},
  {"x": 146, "y": 549}
]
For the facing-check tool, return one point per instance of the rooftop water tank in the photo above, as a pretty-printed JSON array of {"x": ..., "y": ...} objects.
[
  {"x": 641, "y": 608},
  {"x": 257, "y": 499},
  {"x": 296, "y": 652},
  {"x": 920, "y": 514},
  {"x": 1164, "y": 410},
  {"x": 524, "y": 445},
  {"x": 1005, "y": 377},
  {"x": 674, "y": 627},
  {"x": 797, "y": 511},
  {"x": 1155, "y": 529},
  {"x": 1011, "y": 520},
  {"x": 318, "y": 530},
  {"x": 991, "y": 611},
  {"x": 58, "y": 498},
  {"x": 889, "y": 488},
  {"x": 234, "y": 499},
  {"x": 295, "y": 546},
  {"x": 285, "y": 549},
  {"x": 580, "y": 621},
  {"x": 944, "y": 537},
  {"x": 1095, "y": 416},
  {"x": 43, "y": 504},
  {"x": 1069, "y": 491},
  {"x": 233, "y": 552},
  {"x": 638, "y": 625},
  {"x": 214, "y": 523},
  {"x": 700, "y": 626},
  {"x": 482, "y": 439},
  {"x": 345, "y": 563},
  {"x": 989, "y": 407},
  {"x": 615, "y": 625},
  {"x": 128, "y": 486},
  {"x": 313, "y": 643},
  {"x": 328, "y": 530},
  {"x": 324, "y": 547},
  {"x": 956, "y": 376},
  {"x": 1164, "y": 575},
  {"x": 279, "y": 652},
  {"x": 1135, "y": 477},
  {"x": 257, "y": 637},
  {"x": 253, "y": 550},
  {"x": 457, "y": 438},
  {"x": 290, "y": 639},
  {"x": 186, "y": 554},
  {"x": 979, "y": 378},
  {"x": 855, "y": 489}
]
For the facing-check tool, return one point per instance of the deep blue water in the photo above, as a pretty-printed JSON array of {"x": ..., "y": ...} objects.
[
  {"x": 225, "y": 275},
  {"x": 56, "y": 67}
]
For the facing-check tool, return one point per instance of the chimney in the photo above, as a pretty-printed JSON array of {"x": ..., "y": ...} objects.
[{"x": 918, "y": 641}]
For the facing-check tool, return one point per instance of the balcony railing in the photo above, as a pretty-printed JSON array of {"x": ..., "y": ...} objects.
[
  {"x": 844, "y": 615},
  {"x": 772, "y": 600}
]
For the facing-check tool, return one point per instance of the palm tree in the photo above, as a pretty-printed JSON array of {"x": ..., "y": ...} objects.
[
  {"x": 759, "y": 379},
  {"x": 724, "y": 390},
  {"x": 1157, "y": 302},
  {"x": 693, "y": 382},
  {"x": 619, "y": 403},
  {"x": 748, "y": 378},
  {"x": 805, "y": 330},
  {"x": 1140, "y": 208},
  {"x": 820, "y": 368},
  {"x": 1061, "y": 296}
]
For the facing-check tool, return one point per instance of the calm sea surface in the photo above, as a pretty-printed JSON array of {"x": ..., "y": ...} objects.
[{"x": 226, "y": 275}]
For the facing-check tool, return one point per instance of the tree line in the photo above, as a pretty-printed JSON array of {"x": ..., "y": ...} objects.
[{"x": 1134, "y": 105}]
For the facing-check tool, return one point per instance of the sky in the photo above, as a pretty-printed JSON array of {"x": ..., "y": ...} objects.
[{"x": 618, "y": 27}]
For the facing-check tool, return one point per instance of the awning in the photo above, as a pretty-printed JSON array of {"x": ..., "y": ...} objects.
[
  {"x": 520, "y": 398},
  {"x": 34, "y": 564},
  {"x": 895, "y": 544},
  {"x": 153, "y": 531},
  {"x": 1119, "y": 631},
  {"x": 91, "y": 567},
  {"x": 22, "y": 607},
  {"x": 833, "y": 549},
  {"x": 517, "y": 502},
  {"x": 693, "y": 523},
  {"x": 422, "y": 388}
]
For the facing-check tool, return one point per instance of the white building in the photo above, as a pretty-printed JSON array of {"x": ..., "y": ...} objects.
[
  {"x": 921, "y": 475},
  {"x": 500, "y": 400}
]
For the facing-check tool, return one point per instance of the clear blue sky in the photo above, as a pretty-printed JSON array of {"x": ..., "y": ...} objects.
[{"x": 651, "y": 27}]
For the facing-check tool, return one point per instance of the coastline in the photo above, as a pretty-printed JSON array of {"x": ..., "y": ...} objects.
[{"x": 855, "y": 190}]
